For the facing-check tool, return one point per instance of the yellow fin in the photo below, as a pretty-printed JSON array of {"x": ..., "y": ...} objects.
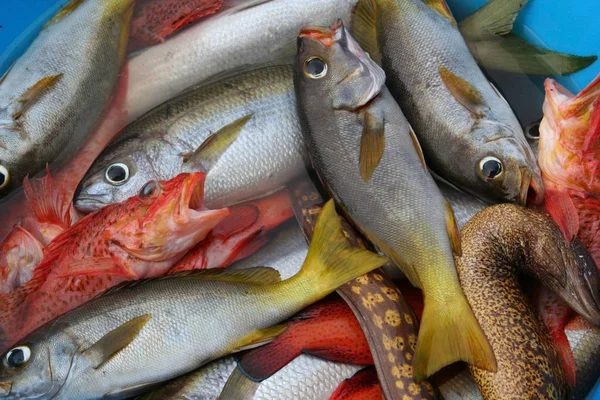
[
  {"x": 494, "y": 19},
  {"x": 453, "y": 231},
  {"x": 442, "y": 8},
  {"x": 211, "y": 150},
  {"x": 372, "y": 145},
  {"x": 450, "y": 332},
  {"x": 418, "y": 148},
  {"x": 239, "y": 387},
  {"x": 331, "y": 260},
  {"x": 465, "y": 93},
  {"x": 63, "y": 12},
  {"x": 255, "y": 275},
  {"x": 116, "y": 340},
  {"x": 365, "y": 28},
  {"x": 257, "y": 338},
  {"x": 34, "y": 93},
  {"x": 126, "y": 16}
]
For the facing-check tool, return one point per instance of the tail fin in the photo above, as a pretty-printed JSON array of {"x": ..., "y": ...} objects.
[
  {"x": 331, "y": 260},
  {"x": 449, "y": 332}
]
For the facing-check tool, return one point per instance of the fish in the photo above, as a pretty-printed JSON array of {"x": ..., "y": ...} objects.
[
  {"x": 265, "y": 156},
  {"x": 155, "y": 20},
  {"x": 585, "y": 344},
  {"x": 448, "y": 101},
  {"x": 20, "y": 253},
  {"x": 567, "y": 148},
  {"x": 140, "y": 238},
  {"x": 464, "y": 205},
  {"x": 368, "y": 158},
  {"x": 363, "y": 385},
  {"x": 95, "y": 350},
  {"x": 239, "y": 235},
  {"x": 49, "y": 105},
  {"x": 494, "y": 244}
]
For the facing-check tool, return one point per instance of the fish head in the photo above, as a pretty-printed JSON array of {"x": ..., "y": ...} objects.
[
  {"x": 166, "y": 219},
  {"x": 117, "y": 174},
  {"x": 330, "y": 61},
  {"x": 38, "y": 367},
  {"x": 12, "y": 168},
  {"x": 504, "y": 168}
]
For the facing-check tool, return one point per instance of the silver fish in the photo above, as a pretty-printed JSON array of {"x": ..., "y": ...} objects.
[
  {"x": 174, "y": 325},
  {"x": 54, "y": 94},
  {"x": 464, "y": 205},
  {"x": 264, "y": 157}
]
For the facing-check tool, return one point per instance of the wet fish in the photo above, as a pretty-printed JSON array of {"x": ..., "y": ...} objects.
[
  {"x": 239, "y": 235},
  {"x": 464, "y": 205},
  {"x": 363, "y": 385},
  {"x": 365, "y": 153},
  {"x": 494, "y": 243},
  {"x": 20, "y": 253},
  {"x": 586, "y": 352},
  {"x": 447, "y": 99},
  {"x": 265, "y": 156},
  {"x": 97, "y": 349},
  {"x": 49, "y": 105},
  {"x": 140, "y": 238},
  {"x": 567, "y": 155}
]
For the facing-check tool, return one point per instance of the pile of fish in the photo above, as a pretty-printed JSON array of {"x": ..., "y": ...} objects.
[{"x": 186, "y": 183}]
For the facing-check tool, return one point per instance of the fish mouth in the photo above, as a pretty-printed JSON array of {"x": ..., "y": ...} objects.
[
  {"x": 5, "y": 389},
  {"x": 326, "y": 35},
  {"x": 586, "y": 289},
  {"x": 532, "y": 188},
  {"x": 90, "y": 203}
]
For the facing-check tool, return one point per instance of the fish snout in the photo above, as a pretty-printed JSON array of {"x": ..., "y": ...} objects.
[
  {"x": 532, "y": 189},
  {"x": 586, "y": 288},
  {"x": 5, "y": 389}
]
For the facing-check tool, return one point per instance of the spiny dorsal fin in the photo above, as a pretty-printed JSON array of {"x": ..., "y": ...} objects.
[
  {"x": 418, "y": 148},
  {"x": 494, "y": 19},
  {"x": 66, "y": 10},
  {"x": 453, "y": 232},
  {"x": 257, "y": 338},
  {"x": 34, "y": 93},
  {"x": 116, "y": 340},
  {"x": 48, "y": 204},
  {"x": 442, "y": 8},
  {"x": 372, "y": 145},
  {"x": 365, "y": 28},
  {"x": 465, "y": 93},
  {"x": 239, "y": 387},
  {"x": 211, "y": 150}
]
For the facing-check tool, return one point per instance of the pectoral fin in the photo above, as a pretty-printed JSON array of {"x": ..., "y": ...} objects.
[
  {"x": 494, "y": 19},
  {"x": 258, "y": 338},
  {"x": 34, "y": 93},
  {"x": 372, "y": 145},
  {"x": 465, "y": 93},
  {"x": 239, "y": 387},
  {"x": 365, "y": 22},
  {"x": 442, "y": 8},
  {"x": 115, "y": 341},
  {"x": 453, "y": 231},
  {"x": 418, "y": 148},
  {"x": 211, "y": 150}
]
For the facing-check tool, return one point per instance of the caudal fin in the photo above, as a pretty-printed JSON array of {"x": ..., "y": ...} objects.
[
  {"x": 449, "y": 332},
  {"x": 331, "y": 260}
]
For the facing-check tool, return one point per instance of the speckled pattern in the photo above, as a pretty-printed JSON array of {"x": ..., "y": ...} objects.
[
  {"x": 498, "y": 242},
  {"x": 387, "y": 321}
]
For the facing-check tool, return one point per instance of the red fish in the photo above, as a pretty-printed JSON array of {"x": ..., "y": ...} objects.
[
  {"x": 240, "y": 234},
  {"x": 364, "y": 385},
  {"x": 327, "y": 329},
  {"x": 20, "y": 253},
  {"x": 569, "y": 157},
  {"x": 142, "y": 237},
  {"x": 155, "y": 20}
]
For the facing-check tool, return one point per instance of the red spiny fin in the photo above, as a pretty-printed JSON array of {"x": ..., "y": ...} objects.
[
  {"x": 194, "y": 259},
  {"x": 242, "y": 217},
  {"x": 92, "y": 266},
  {"x": 48, "y": 204},
  {"x": 591, "y": 138},
  {"x": 364, "y": 385},
  {"x": 565, "y": 355},
  {"x": 562, "y": 210},
  {"x": 412, "y": 295},
  {"x": 251, "y": 247}
]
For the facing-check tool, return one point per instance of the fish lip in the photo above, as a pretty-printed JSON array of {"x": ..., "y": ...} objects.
[
  {"x": 5, "y": 389},
  {"x": 532, "y": 189},
  {"x": 89, "y": 203}
]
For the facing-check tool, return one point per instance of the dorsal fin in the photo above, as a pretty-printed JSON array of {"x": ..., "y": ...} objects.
[
  {"x": 465, "y": 93},
  {"x": 63, "y": 12},
  {"x": 49, "y": 205},
  {"x": 365, "y": 28},
  {"x": 442, "y": 8}
]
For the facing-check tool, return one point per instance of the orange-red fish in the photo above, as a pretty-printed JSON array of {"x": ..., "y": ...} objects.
[
  {"x": 240, "y": 234},
  {"x": 569, "y": 157},
  {"x": 364, "y": 385},
  {"x": 139, "y": 238},
  {"x": 20, "y": 253},
  {"x": 155, "y": 20}
]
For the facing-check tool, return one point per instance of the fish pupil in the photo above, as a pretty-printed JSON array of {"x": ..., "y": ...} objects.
[
  {"x": 148, "y": 189},
  {"x": 316, "y": 68},
  {"x": 16, "y": 358},
  {"x": 492, "y": 168},
  {"x": 2, "y": 179},
  {"x": 116, "y": 173}
]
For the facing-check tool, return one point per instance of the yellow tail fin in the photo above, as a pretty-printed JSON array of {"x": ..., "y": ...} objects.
[
  {"x": 449, "y": 332},
  {"x": 331, "y": 260}
]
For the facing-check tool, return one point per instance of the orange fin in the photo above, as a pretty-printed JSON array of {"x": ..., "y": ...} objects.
[
  {"x": 66, "y": 10},
  {"x": 241, "y": 218},
  {"x": 465, "y": 93},
  {"x": 189, "y": 18},
  {"x": 49, "y": 205},
  {"x": 562, "y": 210},
  {"x": 363, "y": 385},
  {"x": 98, "y": 266},
  {"x": 34, "y": 93},
  {"x": 372, "y": 145}
]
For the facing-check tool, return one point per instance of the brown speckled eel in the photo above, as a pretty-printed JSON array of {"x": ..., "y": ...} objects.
[{"x": 497, "y": 243}]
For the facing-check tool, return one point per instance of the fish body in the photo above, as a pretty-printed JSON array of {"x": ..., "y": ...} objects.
[
  {"x": 53, "y": 95},
  {"x": 447, "y": 99},
  {"x": 464, "y": 205},
  {"x": 265, "y": 156},
  {"x": 96, "y": 350},
  {"x": 363, "y": 385},
  {"x": 568, "y": 157},
  {"x": 20, "y": 253},
  {"x": 140, "y": 238},
  {"x": 394, "y": 201}
]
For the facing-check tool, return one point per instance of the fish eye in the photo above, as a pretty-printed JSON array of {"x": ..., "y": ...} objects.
[
  {"x": 533, "y": 131},
  {"x": 150, "y": 189},
  {"x": 490, "y": 168},
  {"x": 4, "y": 177},
  {"x": 315, "y": 68},
  {"x": 17, "y": 356},
  {"x": 117, "y": 174}
]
